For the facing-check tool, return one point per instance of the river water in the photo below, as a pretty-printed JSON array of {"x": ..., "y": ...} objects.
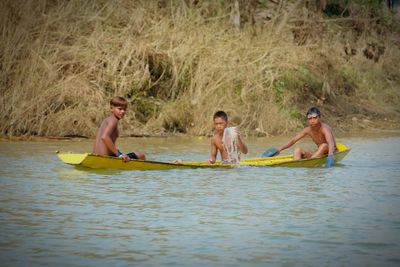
[{"x": 52, "y": 214}]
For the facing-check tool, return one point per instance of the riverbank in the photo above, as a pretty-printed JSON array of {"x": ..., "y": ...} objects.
[
  {"x": 355, "y": 127},
  {"x": 178, "y": 62}
]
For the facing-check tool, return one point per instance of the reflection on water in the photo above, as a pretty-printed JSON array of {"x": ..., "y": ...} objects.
[{"x": 54, "y": 214}]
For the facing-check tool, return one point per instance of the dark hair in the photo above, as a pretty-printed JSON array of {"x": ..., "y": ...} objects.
[
  {"x": 220, "y": 114},
  {"x": 314, "y": 110},
  {"x": 118, "y": 101}
]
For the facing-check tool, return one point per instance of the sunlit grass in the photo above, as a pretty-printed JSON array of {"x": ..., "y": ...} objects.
[{"x": 177, "y": 64}]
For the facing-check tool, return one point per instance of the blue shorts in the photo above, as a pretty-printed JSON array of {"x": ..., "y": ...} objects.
[{"x": 132, "y": 155}]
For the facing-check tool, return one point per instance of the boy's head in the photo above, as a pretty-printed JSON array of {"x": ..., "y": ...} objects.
[
  {"x": 118, "y": 106},
  {"x": 220, "y": 114},
  {"x": 118, "y": 101},
  {"x": 313, "y": 111},
  {"x": 313, "y": 116},
  {"x": 220, "y": 121}
]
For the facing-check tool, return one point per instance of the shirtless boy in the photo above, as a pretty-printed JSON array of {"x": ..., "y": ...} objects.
[
  {"x": 320, "y": 133},
  {"x": 220, "y": 123},
  {"x": 107, "y": 134}
]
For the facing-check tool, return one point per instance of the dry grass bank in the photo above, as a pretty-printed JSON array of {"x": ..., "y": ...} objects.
[{"x": 177, "y": 62}]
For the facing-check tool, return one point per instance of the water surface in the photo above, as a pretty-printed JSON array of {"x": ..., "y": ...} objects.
[{"x": 54, "y": 214}]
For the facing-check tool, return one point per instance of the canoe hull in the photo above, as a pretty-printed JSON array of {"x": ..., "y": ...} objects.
[{"x": 107, "y": 162}]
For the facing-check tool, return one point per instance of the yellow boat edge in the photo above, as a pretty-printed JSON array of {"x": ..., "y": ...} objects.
[
  {"x": 342, "y": 151},
  {"x": 71, "y": 158},
  {"x": 108, "y": 162}
]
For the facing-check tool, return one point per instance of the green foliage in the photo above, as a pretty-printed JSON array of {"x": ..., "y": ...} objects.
[
  {"x": 350, "y": 74},
  {"x": 302, "y": 81},
  {"x": 372, "y": 4},
  {"x": 174, "y": 126},
  {"x": 309, "y": 79},
  {"x": 146, "y": 108},
  {"x": 336, "y": 10},
  {"x": 176, "y": 66},
  {"x": 278, "y": 88},
  {"x": 294, "y": 114}
]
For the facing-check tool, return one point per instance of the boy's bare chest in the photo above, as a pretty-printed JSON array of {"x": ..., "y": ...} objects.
[
  {"x": 219, "y": 143},
  {"x": 318, "y": 137}
]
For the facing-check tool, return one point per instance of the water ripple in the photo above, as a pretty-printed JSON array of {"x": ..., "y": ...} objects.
[{"x": 54, "y": 214}]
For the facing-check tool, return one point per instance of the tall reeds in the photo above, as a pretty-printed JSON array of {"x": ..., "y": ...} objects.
[{"x": 177, "y": 62}]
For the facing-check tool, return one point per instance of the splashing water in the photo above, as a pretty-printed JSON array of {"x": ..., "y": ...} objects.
[{"x": 230, "y": 143}]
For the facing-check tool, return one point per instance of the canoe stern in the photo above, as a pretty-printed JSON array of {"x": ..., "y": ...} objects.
[{"x": 72, "y": 158}]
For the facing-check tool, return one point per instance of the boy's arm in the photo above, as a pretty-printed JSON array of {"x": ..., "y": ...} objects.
[
  {"x": 293, "y": 140},
  {"x": 329, "y": 139},
  {"x": 242, "y": 146},
  {"x": 213, "y": 154},
  {"x": 106, "y": 136},
  {"x": 327, "y": 132}
]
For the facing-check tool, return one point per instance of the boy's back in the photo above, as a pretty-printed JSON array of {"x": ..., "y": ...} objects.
[{"x": 109, "y": 127}]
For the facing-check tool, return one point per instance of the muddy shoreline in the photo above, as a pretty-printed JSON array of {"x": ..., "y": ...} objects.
[{"x": 354, "y": 126}]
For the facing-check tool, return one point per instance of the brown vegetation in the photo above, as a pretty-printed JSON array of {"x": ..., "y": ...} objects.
[{"x": 177, "y": 62}]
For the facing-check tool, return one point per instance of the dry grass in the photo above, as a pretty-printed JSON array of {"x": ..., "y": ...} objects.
[{"x": 177, "y": 63}]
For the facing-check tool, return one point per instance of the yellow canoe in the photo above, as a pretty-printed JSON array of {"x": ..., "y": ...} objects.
[{"x": 106, "y": 162}]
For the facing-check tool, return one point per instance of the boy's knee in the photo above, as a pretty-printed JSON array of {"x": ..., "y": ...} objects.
[
  {"x": 298, "y": 150},
  {"x": 323, "y": 146},
  {"x": 140, "y": 155},
  {"x": 298, "y": 153}
]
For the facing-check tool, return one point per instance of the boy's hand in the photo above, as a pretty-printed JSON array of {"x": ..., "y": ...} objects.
[
  {"x": 125, "y": 158},
  {"x": 241, "y": 146},
  {"x": 237, "y": 131}
]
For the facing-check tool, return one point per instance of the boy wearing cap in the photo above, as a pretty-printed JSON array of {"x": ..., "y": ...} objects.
[{"x": 319, "y": 132}]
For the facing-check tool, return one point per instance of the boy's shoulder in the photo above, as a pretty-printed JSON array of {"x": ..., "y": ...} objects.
[
  {"x": 307, "y": 129},
  {"x": 110, "y": 120},
  {"x": 215, "y": 137},
  {"x": 326, "y": 126}
]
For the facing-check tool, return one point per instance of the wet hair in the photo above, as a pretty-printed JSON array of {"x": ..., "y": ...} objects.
[
  {"x": 118, "y": 101},
  {"x": 314, "y": 110},
  {"x": 220, "y": 114}
]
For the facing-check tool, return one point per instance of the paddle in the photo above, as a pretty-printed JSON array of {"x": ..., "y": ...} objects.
[
  {"x": 270, "y": 152},
  {"x": 329, "y": 161}
]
